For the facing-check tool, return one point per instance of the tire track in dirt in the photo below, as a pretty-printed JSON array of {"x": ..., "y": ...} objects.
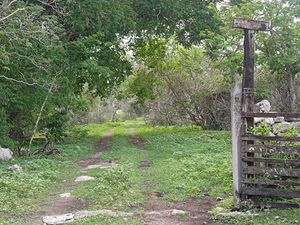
[
  {"x": 63, "y": 205},
  {"x": 161, "y": 212}
]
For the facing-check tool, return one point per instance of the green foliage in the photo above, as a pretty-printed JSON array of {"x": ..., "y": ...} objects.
[
  {"x": 121, "y": 186},
  {"x": 183, "y": 167},
  {"x": 19, "y": 193}
]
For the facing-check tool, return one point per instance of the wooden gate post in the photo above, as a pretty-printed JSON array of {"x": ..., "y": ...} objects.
[{"x": 239, "y": 127}]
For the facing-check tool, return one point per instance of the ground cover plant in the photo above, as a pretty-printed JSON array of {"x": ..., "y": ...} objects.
[{"x": 186, "y": 162}]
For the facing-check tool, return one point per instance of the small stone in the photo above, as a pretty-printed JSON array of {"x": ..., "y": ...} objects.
[
  {"x": 106, "y": 166},
  {"x": 58, "y": 219},
  {"x": 263, "y": 106},
  {"x": 236, "y": 213},
  {"x": 5, "y": 154},
  {"x": 86, "y": 213},
  {"x": 279, "y": 119},
  {"x": 65, "y": 195},
  {"x": 177, "y": 212},
  {"x": 276, "y": 217},
  {"x": 84, "y": 178},
  {"x": 15, "y": 169},
  {"x": 281, "y": 127}
]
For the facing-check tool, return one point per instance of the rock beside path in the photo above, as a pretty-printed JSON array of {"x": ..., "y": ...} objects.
[
  {"x": 86, "y": 213},
  {"x": 70, "y": 217},
  {"x": 15, "y": 169},
  {"x": 58, "y": 219},
  {"x": 5, "y": 154},
  {"x": 84, "y": 178},
  {"x": 65, "y": 195},
  {"x": 100, "y": 166}
]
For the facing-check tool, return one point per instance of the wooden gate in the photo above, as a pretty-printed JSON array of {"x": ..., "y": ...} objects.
[
  {"x": 270, "y": 166},
  {"x": 266, "y": 169}
]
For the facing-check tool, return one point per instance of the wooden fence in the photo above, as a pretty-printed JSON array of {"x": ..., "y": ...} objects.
[{"x": 270, "y": 166}]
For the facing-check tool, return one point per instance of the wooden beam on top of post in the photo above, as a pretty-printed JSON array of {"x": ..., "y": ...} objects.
[{"x": 252, "y": 24}]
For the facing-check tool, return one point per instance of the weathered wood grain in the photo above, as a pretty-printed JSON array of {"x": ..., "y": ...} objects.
[{"x": 252, "y": 24}]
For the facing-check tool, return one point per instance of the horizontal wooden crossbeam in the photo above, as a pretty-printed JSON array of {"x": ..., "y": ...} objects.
[
  {"x": 252, "y": 24},
  {"x": 271, "y": 115},
  {"x": 271, "y": 192},
  {"x": 251, "y": 137},
  {"x": 271, "y": 149}
]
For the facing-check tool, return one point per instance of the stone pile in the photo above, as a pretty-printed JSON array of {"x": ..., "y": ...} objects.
[{"x": 279, "y": 124}]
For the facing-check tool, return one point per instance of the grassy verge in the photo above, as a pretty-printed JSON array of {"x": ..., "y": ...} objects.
[{"x": 20, "y": 194}]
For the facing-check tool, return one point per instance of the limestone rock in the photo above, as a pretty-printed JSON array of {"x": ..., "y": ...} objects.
[
  {"x": 5, "y": 154},
  {"x": 15, "y": 169},
  {"x": 263, "y": 106},
  {"x": 100, "y": 166},
  {"x": 86, "y": 213},
  {"x": 65, "y": 195},
  {"x": 269, "y": 121},
  {"x": 58, "y": 219},
  {"x": 279, "y": 119},
  {"x": 84, "y": 178},
  {"x": 281, "y": 127},
  {"x": 177, "y": 212},
  {"x": 236, "y": 213}
]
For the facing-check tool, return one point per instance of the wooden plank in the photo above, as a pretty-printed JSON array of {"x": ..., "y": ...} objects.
[
  {"x": 271, "y": 149},
  {"x": 271, "y": 115},
  {"x": 278, "y": 205},
  {"x": 272, "y": 171},
  {"x": 270, "y": 182},
  {"x": 271, "y": 160},
  {"x": 250, "y": 137},
  {"x": 252, "y": 24},
  {"x": 271, "y": 192}
]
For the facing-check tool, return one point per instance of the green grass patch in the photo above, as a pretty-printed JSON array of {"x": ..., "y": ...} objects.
[
  {"x": 118, "y": 188},
  {"x": 188, "y": 161},
  {"x": 106, "y": 220}
]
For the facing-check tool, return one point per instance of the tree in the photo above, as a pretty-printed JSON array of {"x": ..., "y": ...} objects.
[{"x": 277, "y": 51}]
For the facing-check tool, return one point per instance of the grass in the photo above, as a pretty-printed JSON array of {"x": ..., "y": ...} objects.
[
  {"x": 20, "y": 194},
  {"x": 120, "y": 187},
  {"x": 106, "y": 220},
  {"x": 187, "y": 162}
]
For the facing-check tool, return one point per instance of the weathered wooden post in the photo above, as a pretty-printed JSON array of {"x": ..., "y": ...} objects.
[{"x": 240, "y": 126}]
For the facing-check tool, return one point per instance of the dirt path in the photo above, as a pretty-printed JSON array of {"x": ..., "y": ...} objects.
[
  {"x": 194, "y": 211},
  {"x": 56, "y": 204}
]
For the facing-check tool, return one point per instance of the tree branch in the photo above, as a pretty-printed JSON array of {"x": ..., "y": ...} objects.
[
  {"x": 6, "y": 17},
  {"x": 18, "y": 81}
]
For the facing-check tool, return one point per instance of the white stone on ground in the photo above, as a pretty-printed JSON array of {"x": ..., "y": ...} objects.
[
  {"x": 15, "y": 169},
  {"x": 5, "y": 154},
  {"x": 177, "y": 212},
  {"x": 58, "y": 219},
  {"x": 65, "y": 195},
  {"x": 98, "y": 166},
  {"x": 85, "y": 213},
  {"x": 236, "y": 213},
  {"x": 84, "y": 178}
]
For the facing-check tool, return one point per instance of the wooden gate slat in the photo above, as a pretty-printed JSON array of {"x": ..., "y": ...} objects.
[
  {"x": 250, "y": 137},
  {"x": 271, "y": 192},
  {"x": 271, "y": 149},
  {"x": 272, "y": 171},
  {"x": 271, "y": 115},
  {"x": 271, "y": 160},
  {"x": 279, "y": 205},
  {"x": 270, "y": 182}
]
